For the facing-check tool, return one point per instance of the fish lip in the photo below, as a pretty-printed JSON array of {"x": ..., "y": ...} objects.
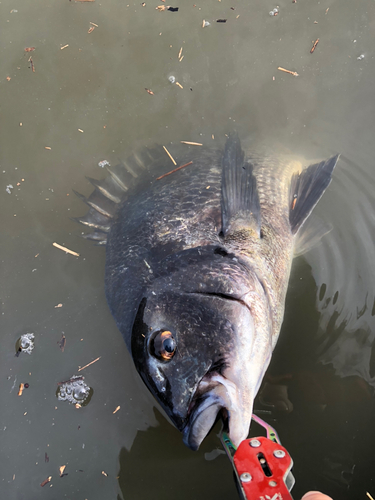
[
  {"x": 201, "y": 403},
  {"x": 204, "y": 406}
]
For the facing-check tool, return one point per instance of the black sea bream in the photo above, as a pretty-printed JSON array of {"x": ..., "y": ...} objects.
[{"x": 197, "y": 268}]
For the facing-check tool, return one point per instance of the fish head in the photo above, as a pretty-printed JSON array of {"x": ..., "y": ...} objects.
[{"x": 200, "y": 356}]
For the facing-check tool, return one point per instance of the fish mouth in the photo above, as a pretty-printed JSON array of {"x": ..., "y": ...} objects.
[{"x": 216, "y": 396}]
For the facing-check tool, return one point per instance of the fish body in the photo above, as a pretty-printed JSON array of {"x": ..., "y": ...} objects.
[{"x": 197, "y": 268}]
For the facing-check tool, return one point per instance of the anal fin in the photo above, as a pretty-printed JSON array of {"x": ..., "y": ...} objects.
[{"x": 239, "y": 196}]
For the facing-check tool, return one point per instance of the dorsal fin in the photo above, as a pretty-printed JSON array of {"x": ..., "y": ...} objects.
[
  {"x": 239, "y": 195},
  {"x": 109, "y": 192},
  {"x": 307, "y": 188}
]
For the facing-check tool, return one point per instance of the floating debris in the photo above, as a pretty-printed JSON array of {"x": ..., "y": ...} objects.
[
  {"x": 75, "y": 391},
  {"x": 117, "y": 409},
  {"x": 294, "y": 73},
  {"x": 8, "y": 188},
  {"x": 162, "y": 8},
  {"x": 173, "y": 171},
  {"x": 32, "y": 64},
  {"x": 61, "y": 470},
  {"x": 29, "y": 49},
  {"x": 221, "y": 20},
  {"x": 46, "y": 481},
  {"x": 89, "y": 364},
  {"x": 172, "y": 79},
  {"x": 60, "y": 247},
  {"x": 20, "y": 390},
  {"x": 192, "y": 143},
  {"x": 149, "y": 91},
  {"x": 170, "y": 156},
  {"x": 314, "y": 45},
  {"x": 25, "y": 343},
  {"x": 274, "y": 12},
  {"x": 104, "y": 163},
  {"x": 62, "y": 342},
  {"x": 205, "y": 24}
]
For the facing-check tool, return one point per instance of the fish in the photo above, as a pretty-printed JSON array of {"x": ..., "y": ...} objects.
[{"x": 197, "y": 269}]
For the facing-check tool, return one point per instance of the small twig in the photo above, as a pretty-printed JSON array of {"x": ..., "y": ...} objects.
[
  {"x": 32, "y": 64},
  {"x": 368, "y": 494},
  {"x": 192, "y": 143},
  {"x": 314, "y": 45},
  {"x": 95, "y": 360},
  {"x": 175, "y": 170},
  {"x": 60, "y": 247},
  {"x": 170, "y": 156},
  {"x": 65, "y": 46},
  {"x": 46, "y": 481},
  {"x": 294, "y": 73}
]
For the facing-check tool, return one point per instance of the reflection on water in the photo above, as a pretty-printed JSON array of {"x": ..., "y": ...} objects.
[{"x": 323, "y": 368}]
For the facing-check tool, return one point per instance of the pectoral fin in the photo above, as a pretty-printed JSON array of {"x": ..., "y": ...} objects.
[
  {"x": 307, "y": 188},
  {"x": 239, "y": 195}
]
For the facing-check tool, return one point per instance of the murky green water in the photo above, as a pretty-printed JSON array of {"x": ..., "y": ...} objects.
[{"x": 87, "y": 102}]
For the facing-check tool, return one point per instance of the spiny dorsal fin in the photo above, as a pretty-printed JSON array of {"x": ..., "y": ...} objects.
[
  {"x": 307, "y": 188},
  {"x": 239, "y": 195}
]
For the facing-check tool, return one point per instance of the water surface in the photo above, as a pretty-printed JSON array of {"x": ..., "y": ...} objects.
[{"x": 87, "y": 102}]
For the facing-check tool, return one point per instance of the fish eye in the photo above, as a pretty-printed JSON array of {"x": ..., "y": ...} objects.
[{"x": 163, "y": 345}]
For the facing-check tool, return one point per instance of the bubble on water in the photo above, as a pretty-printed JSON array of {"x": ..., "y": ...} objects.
[
  {"x": 274, "y": 12},
  {"x": 359, "y": 58},
  {"x": 172, "y": 79},
  {"x": 25, "y": 343},
  {"x": 104, "y": 163},
  {"x": 75, "y": 391},
  {"x": 8, "y": 188}
]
